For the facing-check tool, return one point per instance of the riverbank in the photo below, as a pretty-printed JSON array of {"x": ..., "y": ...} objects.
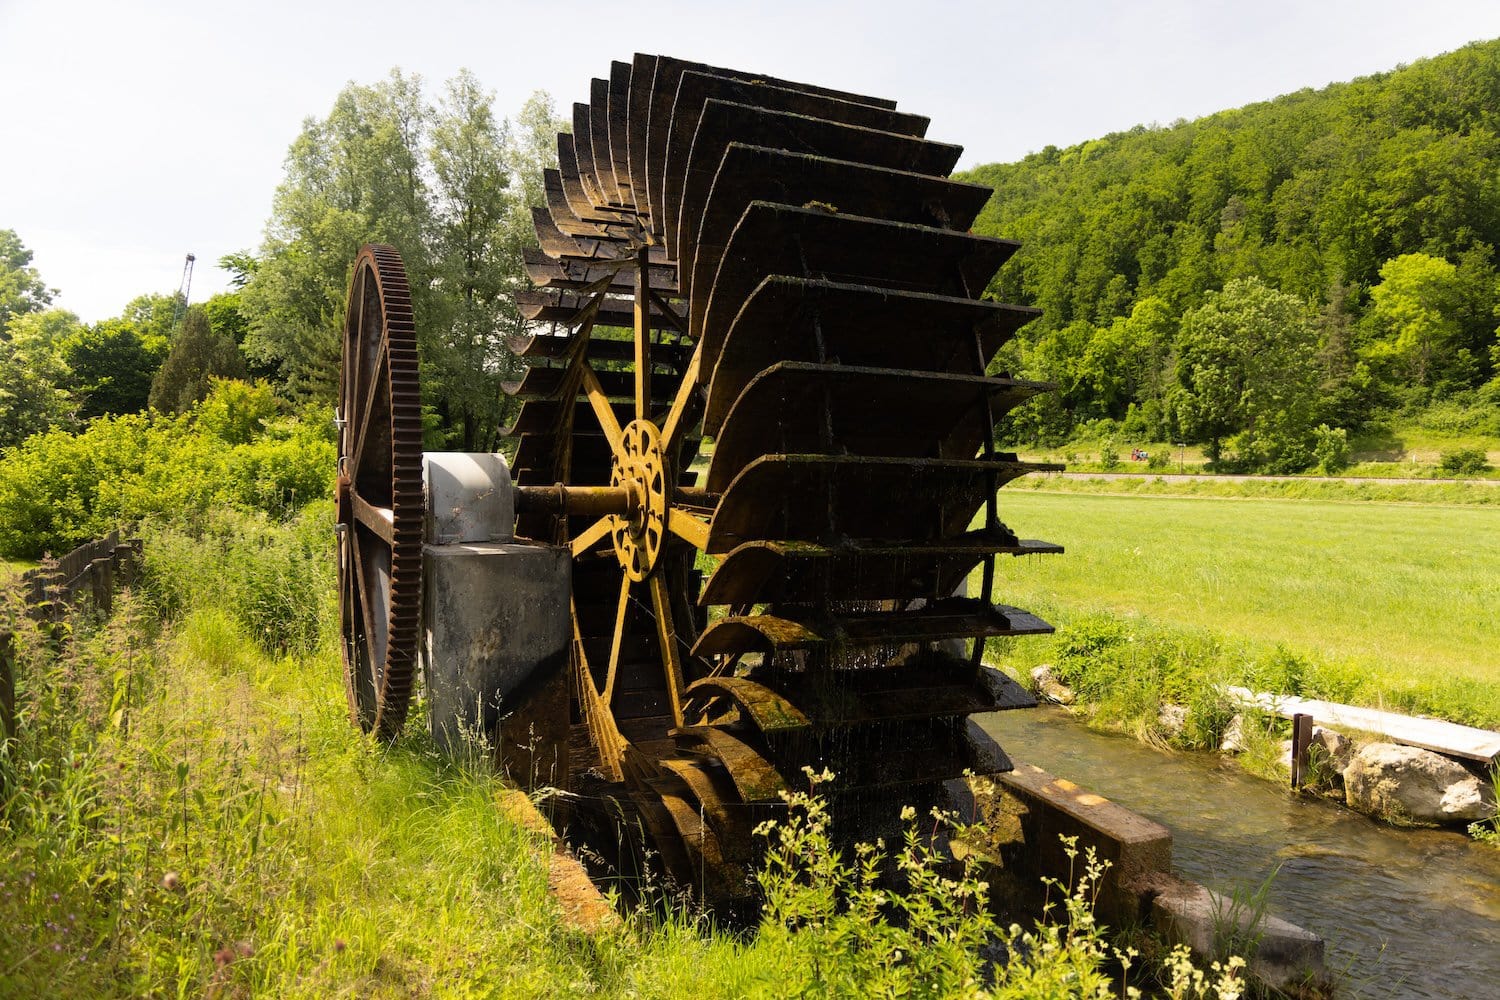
[{"x": 1406, "y": 912}]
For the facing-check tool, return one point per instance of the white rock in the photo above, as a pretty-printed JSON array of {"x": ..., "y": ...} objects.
[
  {"x": 1172, "y": 719},
  {"x": 1046, "y": 684},
  {"x": 1336, "y": 747},
  {"x": 1286, "y": 754},
  {"x": 1389, "y": 780},
  {"x": 1234, "y": 736}
]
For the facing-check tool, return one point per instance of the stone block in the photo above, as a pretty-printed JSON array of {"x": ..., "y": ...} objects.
[
  {"x": 1415, "y": 785},
  {"x": 1134, "y": 846},
  {"x": 1278, "y": 953}
]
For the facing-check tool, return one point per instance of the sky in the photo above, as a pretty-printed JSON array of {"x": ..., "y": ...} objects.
[{"x": 137, "y": 132}]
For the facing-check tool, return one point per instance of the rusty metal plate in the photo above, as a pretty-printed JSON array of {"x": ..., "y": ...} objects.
[
  {"x": 862, "y": 411},
  {"x": 803, "y": 572},
  {"x": 775, "y": 239},
  {"x": 788, "y": 318},
  {"x": 807, "y": 497},
  {"x": 753, "y": 776},
  {"x": 694, "y": 89},
  {"x": 726, "y": 176},
  {"x": 952, "y": 618},
  {"x": 770, "y": 712},
  {"x": 663, "y": 96}
]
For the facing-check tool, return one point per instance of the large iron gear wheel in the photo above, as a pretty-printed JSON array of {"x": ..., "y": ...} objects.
[
  {"x": 787, "y": 270},
  {"x": 379, "y": 494}
]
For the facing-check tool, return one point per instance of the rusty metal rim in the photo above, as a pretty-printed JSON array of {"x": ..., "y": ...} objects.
[{"x": 380, "y": 403}]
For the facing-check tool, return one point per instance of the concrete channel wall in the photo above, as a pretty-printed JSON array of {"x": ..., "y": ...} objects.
[{"x": 1139, "y": 888}]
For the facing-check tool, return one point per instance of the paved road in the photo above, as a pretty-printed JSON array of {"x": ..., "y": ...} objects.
[{"x": 1175, "y": 478}]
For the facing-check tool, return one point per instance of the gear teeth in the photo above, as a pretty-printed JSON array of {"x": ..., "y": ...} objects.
[{"x": 379, "y": 317}]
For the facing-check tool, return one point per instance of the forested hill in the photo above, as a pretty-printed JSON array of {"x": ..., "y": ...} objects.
[{"x": 1374, "y": 204}]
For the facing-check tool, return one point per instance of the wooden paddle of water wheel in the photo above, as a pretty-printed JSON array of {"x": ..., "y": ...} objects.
[{"x": 784, "y": 272}]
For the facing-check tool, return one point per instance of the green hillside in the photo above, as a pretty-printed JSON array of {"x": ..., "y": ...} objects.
[{"x": 1327, "y": 257}]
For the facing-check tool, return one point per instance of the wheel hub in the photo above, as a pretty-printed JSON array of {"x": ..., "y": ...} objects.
[{"x": 641, "y": 469}]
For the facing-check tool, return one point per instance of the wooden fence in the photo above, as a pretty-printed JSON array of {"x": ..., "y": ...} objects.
[{"x": 50, "y": 593}]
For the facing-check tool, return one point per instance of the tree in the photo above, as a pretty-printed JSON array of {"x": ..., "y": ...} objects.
[
  {"x": 21, "y": 288},
  {"x": 1416, "y": 308},
  {"x": 34, "y": 375},
  {"x": 467, "y": 356},
  {"x": 1246, "y": 376},
  {"x": 198, "y": 356},
  {"x": 451, "y": 188},
  {"x": 354, "y": 177},
  {"x": 111, "y": 367}
]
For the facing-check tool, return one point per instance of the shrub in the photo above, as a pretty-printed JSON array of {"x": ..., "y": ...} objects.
[
  {"x": 837, "y": 928},
  {"x": 1159, "y": 459},
  {"x": 58, "y": 489},
  {"x": 1109, "y": 455},
  {"x": 1464, "y": 462},
  {"x": 1331, "y": 448}
]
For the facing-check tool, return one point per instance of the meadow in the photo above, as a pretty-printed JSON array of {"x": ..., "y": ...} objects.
[{"x": 1390, "y": 603}]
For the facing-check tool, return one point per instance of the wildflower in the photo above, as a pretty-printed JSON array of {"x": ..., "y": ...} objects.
[
  {"x": 338, "y": 944},
  {"x": 908, "y": 813},
  {"x": 170, "y": 881},
  {"x": 223, "y": 957}
]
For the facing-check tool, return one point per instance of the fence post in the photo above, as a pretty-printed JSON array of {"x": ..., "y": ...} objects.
[
  {"x": 1302, "y": 727},
  {"x": 7, "y": 686},
  {"x": 102, "y": 576}
]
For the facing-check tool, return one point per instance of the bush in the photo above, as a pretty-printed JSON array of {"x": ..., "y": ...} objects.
[
  {"x": 1331, "y": 448},
  {"x": 1464, "y": 462},
  {"x": 1109, "y": 455},
  {"x": 59, "y": 489},
  {"x": 1159, "y": 459}
]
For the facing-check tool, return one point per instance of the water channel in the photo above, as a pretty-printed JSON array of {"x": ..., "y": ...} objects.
[{"x": 1405, "y": 913}]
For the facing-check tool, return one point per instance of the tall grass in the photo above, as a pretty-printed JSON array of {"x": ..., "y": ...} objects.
[{"x": 189, "y": 813}]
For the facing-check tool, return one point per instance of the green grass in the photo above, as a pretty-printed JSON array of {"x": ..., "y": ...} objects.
[
  {"x": 14, "y": 567},
  {"x": 188, "y": 812},
  {"x": 1302, "y": 488},
  {"x": 1410, "y": 452},
  {"x": 1394, "y": 604}
]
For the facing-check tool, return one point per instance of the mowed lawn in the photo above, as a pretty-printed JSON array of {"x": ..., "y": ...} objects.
[{"x": 1412, "y": 589}]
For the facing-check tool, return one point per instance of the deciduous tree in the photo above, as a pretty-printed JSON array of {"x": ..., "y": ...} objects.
[
  {"x": 1246, "y": 376},
  {"x": 21, "y": 288}
]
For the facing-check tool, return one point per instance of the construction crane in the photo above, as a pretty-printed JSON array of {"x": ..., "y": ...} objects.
[{"x": 184, "y": 288}]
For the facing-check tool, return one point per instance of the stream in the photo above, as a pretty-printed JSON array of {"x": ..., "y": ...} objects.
[{"x": 1405, "y": 913}]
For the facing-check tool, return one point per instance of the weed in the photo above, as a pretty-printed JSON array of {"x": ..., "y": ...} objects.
[
  {"x": 1239, "y": 918},
  {"x": 1487, "y": 831}
]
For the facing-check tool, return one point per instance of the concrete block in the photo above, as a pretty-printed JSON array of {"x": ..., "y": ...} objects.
[
  {"x": 1054, "y": 807},
  {"x": 496, "y": 635},
  {"x": 1279, "y": 953}
]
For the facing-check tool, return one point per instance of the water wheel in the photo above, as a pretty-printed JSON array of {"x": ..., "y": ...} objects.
[{"x": 767, "y": 332}]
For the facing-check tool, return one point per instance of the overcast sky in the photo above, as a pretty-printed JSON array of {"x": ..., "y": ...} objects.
[{"x": 138, "y": 131}]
